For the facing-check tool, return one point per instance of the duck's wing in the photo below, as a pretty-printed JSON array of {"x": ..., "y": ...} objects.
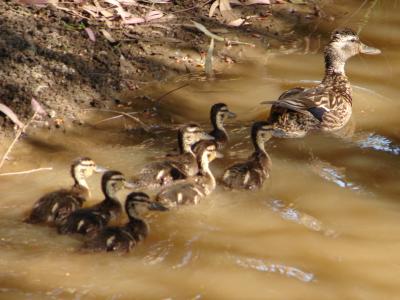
[{"x": 314, "y": 101}]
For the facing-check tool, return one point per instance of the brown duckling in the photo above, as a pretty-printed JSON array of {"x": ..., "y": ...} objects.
[
  {"x": 327, "y": 106},
  {"x": 91, "y": 219},
  {"x": 54, "y": 207},
  {"x": 192, "y": 190},
  {"x": 252, "y": 173},
  {"x": 218, "y": 114},
  {"x": 124, "y": 238},
  {"x": 174, "y": 167}
]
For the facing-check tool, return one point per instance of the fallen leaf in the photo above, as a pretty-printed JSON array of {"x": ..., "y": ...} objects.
[
  {"x": 155, "y": 14},
  {"x": 9, "y": 113},
  {"x": 90, "y": 34},
  {"x": 107, "y": 35},
  {"x": 237, "y": 22},
  {"x": 37, "y": 108},
  {"x": 213, "y": 8}
]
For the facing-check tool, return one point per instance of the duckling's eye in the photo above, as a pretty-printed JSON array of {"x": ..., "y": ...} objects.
[{"x": 353, "y": 40}]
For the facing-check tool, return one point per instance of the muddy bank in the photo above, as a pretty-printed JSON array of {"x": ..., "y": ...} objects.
[{"x": 46, "y": 53}]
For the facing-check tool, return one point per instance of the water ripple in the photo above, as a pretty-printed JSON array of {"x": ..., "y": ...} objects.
[
  {"x": 379, "y": 143},
  {"x": 292, "y": 214},
  {"x": 334, "y": 174},
  {"x": 261, "y": 266}
]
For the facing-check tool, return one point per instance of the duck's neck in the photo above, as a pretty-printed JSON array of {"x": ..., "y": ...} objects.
[
  {"x": 184, "y": 146},
  {"x": 80, "y": 182},
  {"x": 334, "y": 63},
  {"x": 137, "y": 226},
  {"x": 217, "y": 123},
  {"x": 259, "y": 146}
]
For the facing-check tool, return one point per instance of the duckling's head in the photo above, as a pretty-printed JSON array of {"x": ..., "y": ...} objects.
[
  {"x": 219, "y": 113},
  {"x": 206, "y": 152},
  {"x": 260, "y": 133},
  {"x": 137, "y": 204},
  {"x": 112, "y": 182},
  {"x": 344, "y": 43},
  {"x": 83, "y": 168},
  {"x": 190, "y": 134}
]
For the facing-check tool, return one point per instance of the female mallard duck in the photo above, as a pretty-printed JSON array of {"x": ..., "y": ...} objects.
[
  {"x": 218, "y": 114},
  {"x": 54, "y": 207},
  {"x": 174, "y": 167},
  {"x": 327, "y": 106},
  {"x": 252, "y": 173},
  {"x": 124, "y": 238},
  {"x": 91, "y": 219},
  {"x": 191, "y": 190}
]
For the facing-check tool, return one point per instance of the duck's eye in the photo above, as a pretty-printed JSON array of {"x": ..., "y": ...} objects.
[{"x": 353, "y": 40}]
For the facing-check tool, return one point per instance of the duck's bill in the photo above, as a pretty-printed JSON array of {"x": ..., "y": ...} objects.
[
  {"x": 129, "y": 185},
  {"x": 231, "y": 115},
  {"x": 157, "y": 206},
  {"x": 364, "y": 49},
  {"x": 100, "y": 169}
]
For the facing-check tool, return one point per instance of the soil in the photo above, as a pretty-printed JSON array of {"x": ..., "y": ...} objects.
[{"x": 46, "y": 53}]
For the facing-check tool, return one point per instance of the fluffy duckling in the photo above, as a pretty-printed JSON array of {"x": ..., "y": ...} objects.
[
  {"x": 252, "y": 173},
  {"x": 193, "y": 189},
  {"x": 327, "y": 106},
  {"x": 91, "y": 219},
  {"x": 218, "y": 114},
  {"x": 124, "y": 238},
  {"x": 174, "y": 167},
  {"x": 54, "y": 207}
]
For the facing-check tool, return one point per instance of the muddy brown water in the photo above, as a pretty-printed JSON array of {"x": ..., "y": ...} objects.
[{"x": 325, "y": 226}]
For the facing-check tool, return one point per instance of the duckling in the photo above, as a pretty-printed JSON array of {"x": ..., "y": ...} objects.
[
  {"x": 174, "y": 167},
  {"x": 91, "y": 219},
  {"x": 327, "y": 106},
  {"x": 218, "y": 114},
  {"x": 252, "y": 173},
  {"x": 191, "y": 190},
  {"x": 125, "y": 237},
  {"x": 54, "y": 207}
]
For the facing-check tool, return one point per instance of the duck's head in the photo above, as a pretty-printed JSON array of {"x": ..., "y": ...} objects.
[
  {"x": 83, "y": 168},
  {"x": 219, "y": 113},
  {"x": 206, "y": 152},
  {"x": 261, "y": 132},
  {"x": 190, "y": 134},
  {"x": 114, "y": 181},
  {"x": 344, "y": 43},
  {"x": 137, "y": 204}
]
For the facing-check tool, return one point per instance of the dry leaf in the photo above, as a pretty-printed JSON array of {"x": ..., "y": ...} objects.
[
  {"x": 37, "y": 108},
  {"x": 213, "y": 8},
  {"x": 9, "y": 113},
  {"x": 226, "y": 11},
  {"x": 237, "y": 22},
  {"x": 90, "y": 34},
  {"x": 107, "y": 35}
]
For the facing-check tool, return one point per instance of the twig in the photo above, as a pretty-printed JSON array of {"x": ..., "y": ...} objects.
[
  {"x": 145, "y": 127},
  {"x": 27, "y": 171},
  {"x": 113, "y": 118},
  {"x": 171, "y": 91},
  {"x": 20, "y": 131}
]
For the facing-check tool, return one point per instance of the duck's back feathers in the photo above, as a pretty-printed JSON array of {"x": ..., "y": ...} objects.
[
  {"x": 88, "y": 221},
  {"x": 248, "y": 175},
  {"x": 54, "y": 207}
]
